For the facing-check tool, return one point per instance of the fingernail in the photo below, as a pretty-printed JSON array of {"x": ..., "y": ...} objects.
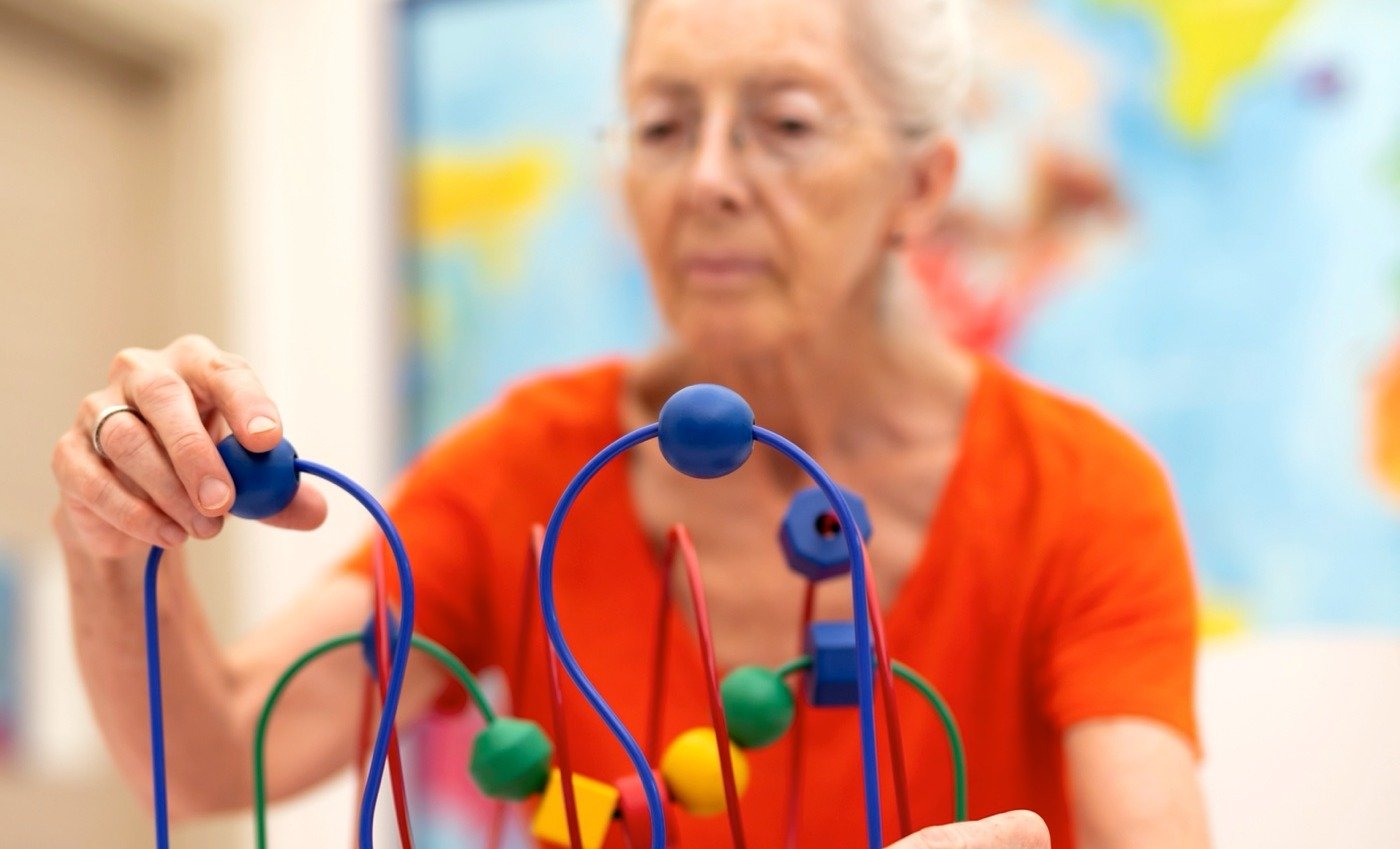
[
  {"x": 204, "y": 527},
  {"x": 261, "y": 424},
  {"x": 173, "y": 535},
  {"x": 213, "y": 493}
]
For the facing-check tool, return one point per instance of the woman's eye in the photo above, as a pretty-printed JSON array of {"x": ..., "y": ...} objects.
[
  {"x": 656, "y": 132},
  {"x": 792, "y": 128}
]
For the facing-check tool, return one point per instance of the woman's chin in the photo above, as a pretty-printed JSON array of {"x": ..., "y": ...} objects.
[{"x": 732, "y": 330}]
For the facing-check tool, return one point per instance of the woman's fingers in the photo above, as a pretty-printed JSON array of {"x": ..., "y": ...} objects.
[
  {"x": 228, "y": 384},
  {"x": 1013, "y": 830},
  {"x": 162, "y": 479},
  {"x": 88, "y": 483},
  {"x": 134, "y": 453},
  {"x": 168, "y": 406},
  {"x": 306, "y": 512}
]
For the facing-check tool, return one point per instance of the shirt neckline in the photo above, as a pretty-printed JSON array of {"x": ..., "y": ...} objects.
[{"x": 988, "y": 374}]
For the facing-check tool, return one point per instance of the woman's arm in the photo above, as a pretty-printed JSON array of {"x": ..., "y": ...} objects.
[
  {"x": 1133, "y": 784},
  {"x": 160, "y": 482}
]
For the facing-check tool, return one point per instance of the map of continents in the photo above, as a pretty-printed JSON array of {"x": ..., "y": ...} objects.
[{"x": 1240, "y": 307}]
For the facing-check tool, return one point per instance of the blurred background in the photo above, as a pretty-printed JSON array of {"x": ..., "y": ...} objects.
[{"x": 1186, "y": 211}]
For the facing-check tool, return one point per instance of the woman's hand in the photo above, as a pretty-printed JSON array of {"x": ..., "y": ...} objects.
[
  {"x": 1014, "y": 830},
  {"x": 163, "y": 480}
]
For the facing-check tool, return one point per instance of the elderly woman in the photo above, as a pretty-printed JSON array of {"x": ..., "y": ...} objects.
[{"x": 778, "y": 155}]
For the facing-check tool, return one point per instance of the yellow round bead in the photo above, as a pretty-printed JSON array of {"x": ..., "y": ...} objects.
[{"x": 692, "y": 772}]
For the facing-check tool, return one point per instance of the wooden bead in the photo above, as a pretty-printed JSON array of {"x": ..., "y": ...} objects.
[
  {"x": 831, "y": 682},
  {"x": 596, "y": 803},
  {"x": 692, "y": 771},
  {"x": 758, "y": 706},
  {"x": 636, "y": 816}
]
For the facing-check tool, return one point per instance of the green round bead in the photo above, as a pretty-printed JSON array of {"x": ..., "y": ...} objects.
[
  {"x": 510, "y": 759},
  {"x": 758, "y": 706}
]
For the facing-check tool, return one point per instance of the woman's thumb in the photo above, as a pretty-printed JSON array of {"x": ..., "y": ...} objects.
[{"x": 1013, "y": 830}]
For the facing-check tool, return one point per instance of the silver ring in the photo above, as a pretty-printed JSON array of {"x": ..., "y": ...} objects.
[{"x": 102, "y": 417}]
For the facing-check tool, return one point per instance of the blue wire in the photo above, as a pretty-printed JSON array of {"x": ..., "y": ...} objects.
[
  {"x": 865, "y": 669},
  {"x": 375, "y": 773},
  {"x": 561, "y": 645},
  {"x": 374, "y": 776},
  {"x": 153, "y": 697}
]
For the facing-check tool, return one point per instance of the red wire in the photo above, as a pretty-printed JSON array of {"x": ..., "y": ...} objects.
[
  {"x": 658, "y": 665},
  {"x": 681, "y": 540},
  {"x": 517, "y": 696},
  {"x": 887, "y": 690},
  {"x": 381, "y": 645},
  {"x": 799, "y": 724},
  {"x": 497, "y": 828},
  {"x": 556, "y": 705}
]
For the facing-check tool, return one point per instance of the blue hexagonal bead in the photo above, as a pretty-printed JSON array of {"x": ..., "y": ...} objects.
[
  {"x": 706, "y": 431},
  {"x": 263, "y": 482},
  {"x": 831, "y": 682},
  {"x": 813, "y": 540}
]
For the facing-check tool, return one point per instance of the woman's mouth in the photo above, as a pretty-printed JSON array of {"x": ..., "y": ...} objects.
[{"x": 723, "y": 271}]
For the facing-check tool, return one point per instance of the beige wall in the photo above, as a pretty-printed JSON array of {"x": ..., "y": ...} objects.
[
  {"x": 242, "y": 190},
  {"x": 111, "y": 233}
]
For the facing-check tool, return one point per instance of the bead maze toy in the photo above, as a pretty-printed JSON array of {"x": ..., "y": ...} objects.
[{"x": 704, "y": 431}]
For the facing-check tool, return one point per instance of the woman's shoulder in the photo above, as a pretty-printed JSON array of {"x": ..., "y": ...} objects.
[
  {"x": 554, "y": 418},
  {"x": 1065, "y": 441}
]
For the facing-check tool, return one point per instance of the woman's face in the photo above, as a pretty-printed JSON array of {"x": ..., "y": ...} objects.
[{"x": 763, "y": 178}]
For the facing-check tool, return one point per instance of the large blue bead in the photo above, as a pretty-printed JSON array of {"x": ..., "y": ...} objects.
[
  {"x": 706, "y": 431},
  {"x": 264, "y": 483}
]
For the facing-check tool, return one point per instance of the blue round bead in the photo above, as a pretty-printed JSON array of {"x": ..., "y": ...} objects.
[
  {"x": 706, "y": 431},
  {"x": 264, "y": 483}
]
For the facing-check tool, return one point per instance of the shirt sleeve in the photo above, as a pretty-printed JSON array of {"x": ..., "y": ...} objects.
[
  {"x": 1119, "y": 612},
  {"x": 449, "y": 556}
]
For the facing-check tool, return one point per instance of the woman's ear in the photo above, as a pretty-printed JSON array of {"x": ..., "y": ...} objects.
[{"x": 933, "y": 171}]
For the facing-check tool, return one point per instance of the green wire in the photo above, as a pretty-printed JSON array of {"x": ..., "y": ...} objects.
[
  {"x": 950, "y": 728},
  {"x": 459, "y": 671},
  {"x": 260, "y": 735},
  {"x": 423, "y": 644},
  {"x": 945, "y": 714},
  {"x": 801, "y": 664}
]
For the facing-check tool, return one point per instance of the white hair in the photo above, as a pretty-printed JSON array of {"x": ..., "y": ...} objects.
[{"x": 918, "y": 54}]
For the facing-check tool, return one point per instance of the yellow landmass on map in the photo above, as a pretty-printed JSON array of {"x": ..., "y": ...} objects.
[
  {"x": 1386, "y": 426},
  {"x": 1221, "y": 619},
  {"x": 1210, "y": 44},
  {"x": 488, "y": 201}
]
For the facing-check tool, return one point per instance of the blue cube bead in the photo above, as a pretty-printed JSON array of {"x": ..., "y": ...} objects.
[{"x": 831, "y": 682}]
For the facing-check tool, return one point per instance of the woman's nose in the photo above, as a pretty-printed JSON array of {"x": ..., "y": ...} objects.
[{"x": 718, "y": 181}]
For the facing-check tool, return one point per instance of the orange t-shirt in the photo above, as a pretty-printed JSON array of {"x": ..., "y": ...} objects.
[{"x": 1054, "y": 587}]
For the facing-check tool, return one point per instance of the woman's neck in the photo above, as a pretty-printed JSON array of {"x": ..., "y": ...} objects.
[{"x": 840, "y": 394}]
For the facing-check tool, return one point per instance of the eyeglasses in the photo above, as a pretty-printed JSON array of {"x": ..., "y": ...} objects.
[{"x": 763, "y": 140}]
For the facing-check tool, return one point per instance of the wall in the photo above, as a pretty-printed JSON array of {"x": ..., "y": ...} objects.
[{"x": 310, "y": 301}]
